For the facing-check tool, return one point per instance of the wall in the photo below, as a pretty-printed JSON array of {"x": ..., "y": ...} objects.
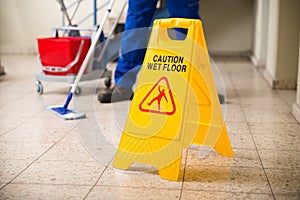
[
  {"x": 228, "y": 24},
  {"x": 21, "y": 22},
  {"x": 273, "y": 27},
  {"x": 296, "y": 105},
  {"x": 288, "y": 39},
  {"x": 283, "y": 44},
  {"x": 260, "y": 33}
]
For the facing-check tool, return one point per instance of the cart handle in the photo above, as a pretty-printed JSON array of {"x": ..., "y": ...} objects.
[{"x": 71, "y": 28}]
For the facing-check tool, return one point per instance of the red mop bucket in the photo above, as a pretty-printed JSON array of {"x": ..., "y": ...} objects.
[{"x": 62, "y": 55}]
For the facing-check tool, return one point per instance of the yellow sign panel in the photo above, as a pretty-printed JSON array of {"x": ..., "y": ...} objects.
[{"x": 175, "y": 102}]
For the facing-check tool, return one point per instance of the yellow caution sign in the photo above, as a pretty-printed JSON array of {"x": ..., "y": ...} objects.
[{"x": 175, "y": 103}]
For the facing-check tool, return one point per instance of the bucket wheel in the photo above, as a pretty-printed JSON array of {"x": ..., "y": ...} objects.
[
  {"x": 77, "y": 90},
  {"x": 107, "y": 82},
  {"x": 39, "y": 87}
]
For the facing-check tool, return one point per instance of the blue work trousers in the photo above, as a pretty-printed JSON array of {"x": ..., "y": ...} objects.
[{"x": 135, "y": 37}]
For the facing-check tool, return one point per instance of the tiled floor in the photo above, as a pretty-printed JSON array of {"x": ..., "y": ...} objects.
[{"x": 45, "y": 157}]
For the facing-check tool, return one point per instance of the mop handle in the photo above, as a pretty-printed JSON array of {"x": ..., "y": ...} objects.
[{"x": 92, "y": 47}]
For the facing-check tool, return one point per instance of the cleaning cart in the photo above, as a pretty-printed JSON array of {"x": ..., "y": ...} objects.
[{"x": 60, "y": 56}]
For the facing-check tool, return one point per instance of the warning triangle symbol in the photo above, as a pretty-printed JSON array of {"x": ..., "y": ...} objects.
[{"x": 159, "y": 99}]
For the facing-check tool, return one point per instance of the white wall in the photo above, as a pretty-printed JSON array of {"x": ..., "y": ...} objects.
[
  {"x": 228, "y": 24},
  {"x": 273, "y": 28},
  {"x": 283, "y": 44},
  {"x": 22, "y": 21},
  {"x": 298, "y": 85},
  {"x": 296, "y": 105},
  {"x": 260, "y": 32}
]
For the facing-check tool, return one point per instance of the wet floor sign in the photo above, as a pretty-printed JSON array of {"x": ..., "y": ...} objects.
[{"x": 175, "y": 103}]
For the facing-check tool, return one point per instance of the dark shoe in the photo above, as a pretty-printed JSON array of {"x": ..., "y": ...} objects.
[
  {"x": 221, "y": 98},
  {"x": 116, "y": 94}
]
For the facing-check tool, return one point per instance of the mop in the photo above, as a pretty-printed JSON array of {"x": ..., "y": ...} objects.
[
  {"x": 63, "y": 111},
  {"x": 64, "y": 10}
]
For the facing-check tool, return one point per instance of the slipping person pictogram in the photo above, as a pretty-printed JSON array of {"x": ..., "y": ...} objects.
[
  {"x": 160, "y": 94},
  {"x": 159, "y": 97}
]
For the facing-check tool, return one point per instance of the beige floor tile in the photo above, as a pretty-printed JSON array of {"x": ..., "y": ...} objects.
[
  {"x": 239, "y": 135},
  {"x": 245, "y": 94},
  {"x": 267, "y": 108},
  {"x": 29, "y": 132},
  {"x": 242, "y": 158},
  {"x": 201, "y": 194},
  {"x": 281, "y": 141},
  {"x": 42, "y": 121},
  {"x": 103, "y": 131},
  {"x": 9, "y": 169},
  {"x": 260, "y": 101},
  {"x": 27, "y": 106},
  {"x": 233, "y": 113},
  {"x": 284, "y": 181},
  {"x": 116, "y": 116},
  {"x": 48, "y": 118},
  {"x": 128, "y": 193},
  {"x": 288, "y": 96},
  {"x": 8, "y": 123},
  {"x": 226, "y": 80},
  {"x": 72, "y": 137},
  {"x": 280, "y": 159},
  {"x": 274, "y": 129},
  {"x": 270, "y": 118},
  {"x": 241, "y": 141},
  {"x": 249, "y": 83},
  {"x": 92, "y": 142},
  {"x": 226, "y": 179},
  {"x": 231, "y": 96},
  {"x": 45, "y": 192},
  {"x": 287, "y": 197},
  {"x": 61, "y": 172},
  {"x": 144, "y": 177},
  {"x": 22, "y": 151},
  {"x": 243, "y": 65},
  {"x": 237, "y": 128},
  {"x": 68, "y": 152},
  {"x": 13, "y": 91},
  {"x": 99, "y": 139}
]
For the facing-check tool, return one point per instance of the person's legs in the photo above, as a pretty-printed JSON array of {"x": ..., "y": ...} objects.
[
  {"x": 183, "y": 9},
  {"x": 189, "y": 9},
  {"x": 134, "y": 41},
  {"x": 133, "y": 47},
  {"x": 135, "y": 37}
]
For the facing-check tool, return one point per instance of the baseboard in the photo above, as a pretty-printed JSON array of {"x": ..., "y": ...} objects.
[
  {"x": 279, "y": 84},
  {"x": 230, "y": 54},
  {"x": 285, "y": 84}
]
